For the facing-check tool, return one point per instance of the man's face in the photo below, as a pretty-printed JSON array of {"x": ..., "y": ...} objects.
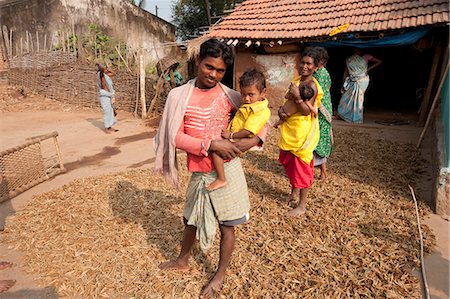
[{"x": 210, "y": 71}]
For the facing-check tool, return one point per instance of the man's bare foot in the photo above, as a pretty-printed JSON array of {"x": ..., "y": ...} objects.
[
  {"x": 296, "y": 212},
  {"x": 6, "y": 285},
  {"x": 4, "y": 265},
  {"x": 217, "y": 184},
  {"x": 213, "y": 287},
  {"x": 174, "y": 265},
  {"x": 323, "y": 177}
]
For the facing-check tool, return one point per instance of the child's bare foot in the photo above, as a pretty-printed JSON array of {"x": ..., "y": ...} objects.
[
  {"x": 289, "y": 198},
  {"x": 4, "y": 265},
  {"x": 296, "y": 212},
  {"x": 6, "y": 285},
  {"x": 213, "y": 287},
  {"x": 174, "y": 265},
  {"x": 217, "y": 184}
]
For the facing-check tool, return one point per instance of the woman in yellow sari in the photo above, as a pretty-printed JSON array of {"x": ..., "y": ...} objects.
[{"x": 299, "y": 133}]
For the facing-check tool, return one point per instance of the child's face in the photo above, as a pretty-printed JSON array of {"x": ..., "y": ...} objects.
[{"x": 251, "y": 94}]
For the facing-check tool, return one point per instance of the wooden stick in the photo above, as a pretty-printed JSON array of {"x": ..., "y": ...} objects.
[
  {"x": 159, "y": 85},
  {"x": 73, "y": 37},
  {"x": 31, "y": 42},
  {"x": 37, "y": 42},
  {"x": 126, "y": 64},
  {"x": 28, "y": 43},
  {"x": 142, "y": 85},
  {"x": 137, "y": 96},
  {"x": 430, "y": 113},
  {"x": 10, "y": 41},
  {"x": 58, "y": 152},
  {"x": 63, "y": 42}
]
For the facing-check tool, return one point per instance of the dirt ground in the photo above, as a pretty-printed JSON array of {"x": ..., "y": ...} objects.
[{"x": 88, "y": 151}]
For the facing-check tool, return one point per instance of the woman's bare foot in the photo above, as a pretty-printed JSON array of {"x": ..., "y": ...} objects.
[
  {"x": 110, "y": 130},
  {"x": 217, "y": 184},
  {"x": 213, "y": 287},
  {"x": 174, "y": 265},
  {"x": 298, "y": 211},
  {"x": 6, "y": 285},
  {"x": 4, "y": 265}
]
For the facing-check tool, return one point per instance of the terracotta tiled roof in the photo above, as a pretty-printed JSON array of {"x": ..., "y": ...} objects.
[{"x": 292, "y": 19}]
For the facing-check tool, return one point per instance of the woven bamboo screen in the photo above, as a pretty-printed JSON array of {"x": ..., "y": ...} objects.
[
  {"x": 60, "y": 76},
  {"x": 29, "y": 164}
]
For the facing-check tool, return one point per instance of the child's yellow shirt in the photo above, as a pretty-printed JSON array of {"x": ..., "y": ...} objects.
[
  {"x": 299, "y": 134},
  {"x": 251, "y": 117}
]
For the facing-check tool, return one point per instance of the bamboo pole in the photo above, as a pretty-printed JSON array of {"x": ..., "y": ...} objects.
[
  {"x": 426, "y": 99},
  {"x": 142, "y": 85},
  {"x": 45, "y": 42},
  {"x": 433, "y": 105},
  {"x": 63, "y": 42}
]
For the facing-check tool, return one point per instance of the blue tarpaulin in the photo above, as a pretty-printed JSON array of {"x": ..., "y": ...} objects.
[{"x": 401, "y": 39}]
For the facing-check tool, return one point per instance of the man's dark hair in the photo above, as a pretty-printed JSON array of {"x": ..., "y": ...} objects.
[
  {"x": 323, "y": 55},
  {"x": 216, "y": 49},
  {"x": 306, "y": 92},
  {"x": 314, "y": 53},
  {"x": 253, "y": 77}
]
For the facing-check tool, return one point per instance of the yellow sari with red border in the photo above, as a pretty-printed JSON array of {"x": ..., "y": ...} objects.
[{"x": 299, "y": 134}]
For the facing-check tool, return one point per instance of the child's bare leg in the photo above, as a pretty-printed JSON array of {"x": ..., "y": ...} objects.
[
  {"x": 323, "y": 171},
  {"x": 221, "y": 180},
  {"x": 301, "y": 208}
]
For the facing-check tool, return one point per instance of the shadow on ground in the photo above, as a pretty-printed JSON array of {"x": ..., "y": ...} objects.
[{"x": 153, "y": 210}]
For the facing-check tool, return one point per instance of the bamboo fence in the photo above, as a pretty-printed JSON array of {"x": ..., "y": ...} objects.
[{"x": 60, "y": 76}]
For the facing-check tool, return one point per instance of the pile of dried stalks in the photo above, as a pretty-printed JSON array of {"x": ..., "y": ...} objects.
[{"x": 105, "y": 236}]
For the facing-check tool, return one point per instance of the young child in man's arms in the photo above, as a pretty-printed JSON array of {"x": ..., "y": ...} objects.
[{"x": 248, "y": 120}]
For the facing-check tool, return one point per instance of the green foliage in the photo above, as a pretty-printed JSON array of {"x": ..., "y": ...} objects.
[
  {"x": 100, "y": 46},
  {"x": 70, "y": 43},
  {"x": 189, "y": 15}
]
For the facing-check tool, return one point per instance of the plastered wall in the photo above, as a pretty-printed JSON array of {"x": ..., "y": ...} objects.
[{"x": 119, "y": 19}]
